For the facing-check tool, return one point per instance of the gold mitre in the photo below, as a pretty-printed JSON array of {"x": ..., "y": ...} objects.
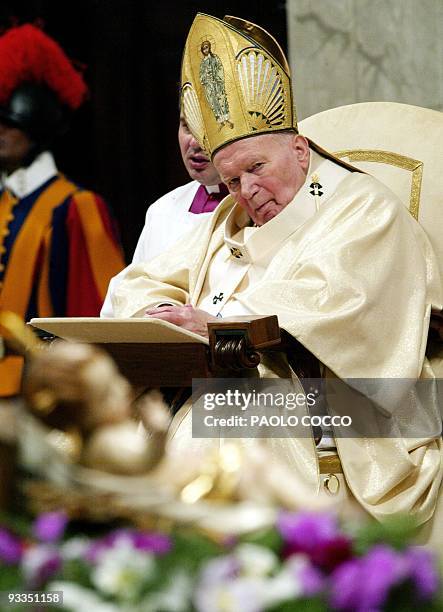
[{"x": 235, "y": 82}]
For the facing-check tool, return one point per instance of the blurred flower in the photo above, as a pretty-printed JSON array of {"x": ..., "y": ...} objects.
[
  {"x": 244, "y": 593},
  {"x": 255, "y": 560},
  {"x": 156, "y": 543},
  {"x": 363, "y": 584},
  {"x": 122, "y": 571},
  {"x": 422, "y": 571},
  {"x": 50, "y": 526},
  {"x": 221, "y": 588},
  {"x": 220, "y": 569},
  {"x": 39, "y": 563},
  {"x": 248, "y": 579},
  {"x": 316, "y": 535},
  {"x": 307, "y": 530},
  {"x": 297, "y": 578},
  {"x": 75, "y": 548},
  {"x": 11, "y": 547},
  {"x": 310, "y": 580},
  {"x": 76, "y": 598},
  {"x": 176, "y": 596}
]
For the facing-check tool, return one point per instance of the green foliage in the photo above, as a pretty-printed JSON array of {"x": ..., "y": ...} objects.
[
  {"x": 10, "y": 578},
  {"x": 313, "y": 604},
  {"x": 395, "y": 531},
  {"x": 269, "y": 538},
  {"x": 75, "y": 570},
  {"x": 17, "y": 523}
]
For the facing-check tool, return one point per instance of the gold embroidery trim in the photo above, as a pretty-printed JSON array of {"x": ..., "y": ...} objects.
[{"x": 393, "y": 159}]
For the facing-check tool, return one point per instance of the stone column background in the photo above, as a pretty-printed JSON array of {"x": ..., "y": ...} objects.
[{"x": 348, "y": 51}]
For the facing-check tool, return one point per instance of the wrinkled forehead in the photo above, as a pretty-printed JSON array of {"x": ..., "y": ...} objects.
[{"x": 269, "y": 146}]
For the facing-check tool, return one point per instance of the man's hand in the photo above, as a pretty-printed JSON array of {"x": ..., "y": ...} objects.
[{"x": 188, "y": 317}]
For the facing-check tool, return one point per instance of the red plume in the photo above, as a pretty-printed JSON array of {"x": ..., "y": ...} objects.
[{"x": 28, "y": 55}]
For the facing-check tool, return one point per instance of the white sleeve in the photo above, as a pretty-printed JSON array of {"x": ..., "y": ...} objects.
[
  {"x": 140, "y": 250},
  {"x": 107, "y": 311},
  {"x": 166, "y": 220}
]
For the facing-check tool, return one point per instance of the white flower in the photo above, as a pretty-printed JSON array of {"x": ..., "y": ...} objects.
[
  {"x": 292, "y": 581},
  {"x": 255, "y": 560},
  {"x": 75, "y": 548},
  {"x": 175, "y": 597},
  {"x": 220, "y": 569},
  {"x": 122, "y": 570},
  {"x": 238, "y": 581},
  {"x": 282, "y": 587},
  {"x": 77, "y": 598},
  {"x": 245, "y": 594}
]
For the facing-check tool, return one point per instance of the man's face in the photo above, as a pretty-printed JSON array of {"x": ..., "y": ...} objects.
[
  {"x": 263, "y": 173},
  {"x": 196, "y": 161},
  {"x": 14, "y": 147}
]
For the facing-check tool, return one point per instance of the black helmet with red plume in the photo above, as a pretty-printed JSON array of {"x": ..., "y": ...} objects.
[{"x": 39, "y": 86}]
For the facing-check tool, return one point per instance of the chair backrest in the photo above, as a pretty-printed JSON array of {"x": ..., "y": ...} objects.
[{"x": 399, "y": 144}]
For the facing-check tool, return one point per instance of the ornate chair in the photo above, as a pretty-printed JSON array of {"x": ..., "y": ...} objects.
[{"x": 399, "y": 144}]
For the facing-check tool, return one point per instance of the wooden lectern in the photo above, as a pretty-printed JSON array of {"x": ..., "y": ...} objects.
[{"x": 153, "y": 353}]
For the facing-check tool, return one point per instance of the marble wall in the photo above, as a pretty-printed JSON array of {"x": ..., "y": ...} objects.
[{"x": 347, "y": 51}]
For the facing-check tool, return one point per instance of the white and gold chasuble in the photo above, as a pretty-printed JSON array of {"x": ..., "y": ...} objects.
[
  {"x": 351, "y": 276},
  {"x": 247, "y": 251}
]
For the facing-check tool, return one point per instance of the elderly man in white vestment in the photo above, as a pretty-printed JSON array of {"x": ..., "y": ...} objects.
[{"x": 331, "y": 251}]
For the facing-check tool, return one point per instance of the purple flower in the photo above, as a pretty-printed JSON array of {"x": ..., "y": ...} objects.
[
  {"x": 422, "y": 570},
  {"x": 50, "y": 526},
  {"x": 156, "y": 543},
  {"x": 146, "y": 541},
  {"x": 345, "y": 587},
  {"x": 316, "y": 535},
  {"x": 307, "y": 530},
  {"x": 40, "y": 563},
  {"x": 363, "y": 584},
  {"x": 11, "y": 548},
  {"x": 312, "y": 580},
  {"x": 48, "y": 569},
  {"x": 309, "y": 580}
]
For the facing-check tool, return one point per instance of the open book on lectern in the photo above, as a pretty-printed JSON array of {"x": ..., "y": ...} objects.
[{"x": 101, "y": 331}]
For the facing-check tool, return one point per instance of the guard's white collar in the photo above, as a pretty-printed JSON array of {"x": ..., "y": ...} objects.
[{"x": 24, "y": 181}]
